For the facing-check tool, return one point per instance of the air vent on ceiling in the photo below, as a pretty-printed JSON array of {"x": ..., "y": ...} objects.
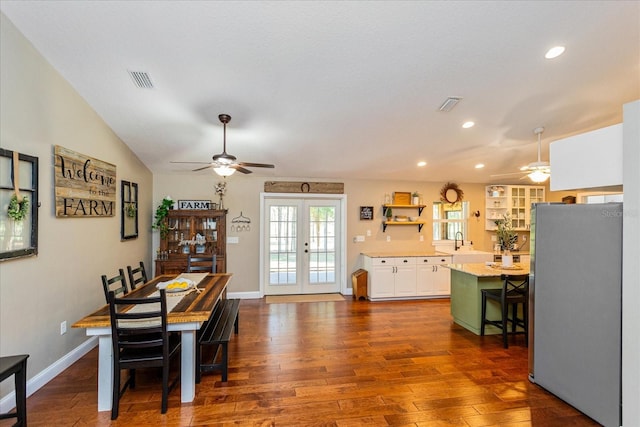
[
  {"x": 449, "y": 103},
  {"x": 141, "y": 79}
]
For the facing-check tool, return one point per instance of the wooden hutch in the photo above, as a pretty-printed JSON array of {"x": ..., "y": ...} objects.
[{"x": 181, "y": 239}]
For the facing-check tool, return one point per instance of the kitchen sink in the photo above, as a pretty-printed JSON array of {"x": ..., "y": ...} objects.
[{"x": 466, "y": 255}]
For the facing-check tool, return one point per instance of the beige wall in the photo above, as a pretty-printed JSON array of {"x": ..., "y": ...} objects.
[
  {"x": 38, "y": 109},
  {"x": 243, "y": 195}
]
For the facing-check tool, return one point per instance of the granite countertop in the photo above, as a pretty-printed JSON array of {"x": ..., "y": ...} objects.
[
  {"x": 388, "y": 254},
  {"x": 484, "y": 270}
]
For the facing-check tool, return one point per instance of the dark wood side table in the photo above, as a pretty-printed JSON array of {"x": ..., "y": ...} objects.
[{"x": 17, "y": 366}]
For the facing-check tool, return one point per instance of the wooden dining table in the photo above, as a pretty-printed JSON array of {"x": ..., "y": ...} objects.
[{"x": 188, "y": 315}]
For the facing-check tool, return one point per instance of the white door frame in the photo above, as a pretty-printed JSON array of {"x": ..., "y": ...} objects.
[{"x": 342, "y": 198}]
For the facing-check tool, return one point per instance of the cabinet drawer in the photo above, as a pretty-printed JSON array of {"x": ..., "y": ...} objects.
[
  {"x": 433, "y": 260},
  {"x": 393, "y": 261}
]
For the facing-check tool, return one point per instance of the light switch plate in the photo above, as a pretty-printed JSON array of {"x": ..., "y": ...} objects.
[{"x": 233, "y": 240}]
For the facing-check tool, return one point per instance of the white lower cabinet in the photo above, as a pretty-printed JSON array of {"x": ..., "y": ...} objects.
[
  {"x": 433, "y": 278},
  {"x": 407, "y": 277}
]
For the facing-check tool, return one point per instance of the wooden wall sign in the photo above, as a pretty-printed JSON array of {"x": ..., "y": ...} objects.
[
  {"x": 84, "y": 186},
  {"x": 303, "y": 187},
  {"x": 366, "y": 213},
  {"x": 195, "y": 204}
]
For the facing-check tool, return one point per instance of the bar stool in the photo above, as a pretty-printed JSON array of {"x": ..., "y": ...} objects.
[
  {"x": 17, "y": 366},
  {"x": 514, "y": 291}
]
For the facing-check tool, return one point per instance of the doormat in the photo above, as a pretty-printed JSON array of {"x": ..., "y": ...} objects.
[{"x": 278, "y": 299}]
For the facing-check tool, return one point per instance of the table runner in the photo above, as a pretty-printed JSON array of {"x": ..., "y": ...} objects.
[{"x": 173, "y": 298}]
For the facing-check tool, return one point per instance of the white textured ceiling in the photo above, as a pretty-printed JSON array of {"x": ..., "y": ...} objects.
[{"x": 344, "y": 89}]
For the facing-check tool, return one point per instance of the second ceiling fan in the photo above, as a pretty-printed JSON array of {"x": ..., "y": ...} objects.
[
  {"x": 225, "y": 164},
  {"x": 537, "y": 172}
]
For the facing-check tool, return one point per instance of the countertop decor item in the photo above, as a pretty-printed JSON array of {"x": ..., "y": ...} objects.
[
  {"x": 451, "y": 193},
  {"x": 505, "y": 232}
]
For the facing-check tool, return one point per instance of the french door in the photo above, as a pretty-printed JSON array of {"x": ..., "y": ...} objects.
[{"x": 302, "y": 246}]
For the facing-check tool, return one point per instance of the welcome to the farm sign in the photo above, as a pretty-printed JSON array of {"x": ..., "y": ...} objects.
[{"x": 84, "y": 186}]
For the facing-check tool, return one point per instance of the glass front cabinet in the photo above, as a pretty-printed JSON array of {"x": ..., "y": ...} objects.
[
  {"x": 197, "y": 232},
  {"x": 514, "y": 200}
]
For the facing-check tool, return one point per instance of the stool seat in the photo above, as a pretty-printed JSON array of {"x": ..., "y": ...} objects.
[
  {"x": 514, "y": 291},
  {"x": 16, "y": 365}
]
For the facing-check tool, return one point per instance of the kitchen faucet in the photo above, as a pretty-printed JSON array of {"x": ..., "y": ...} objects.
[{"x": 455, "y": 244}]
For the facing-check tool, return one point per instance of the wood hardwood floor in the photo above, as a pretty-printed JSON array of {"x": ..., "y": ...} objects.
[{"x": 332, "y": 364}]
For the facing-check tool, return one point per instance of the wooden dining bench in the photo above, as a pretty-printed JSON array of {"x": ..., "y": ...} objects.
[{"x": 217, "y": 332}]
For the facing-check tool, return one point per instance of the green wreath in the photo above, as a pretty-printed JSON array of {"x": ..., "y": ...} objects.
[{"x": 18, "y": 210}]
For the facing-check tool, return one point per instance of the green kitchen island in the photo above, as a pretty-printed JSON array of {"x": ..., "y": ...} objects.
[{"x": 467, "y": 281}]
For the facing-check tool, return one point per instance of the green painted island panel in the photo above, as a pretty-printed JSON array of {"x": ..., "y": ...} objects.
[{"x": 467, "y": 282}]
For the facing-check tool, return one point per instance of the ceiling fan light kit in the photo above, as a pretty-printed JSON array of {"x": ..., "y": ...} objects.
[
  {"x": 538, "y": 172},
  {"x": 225, "y": 164}
]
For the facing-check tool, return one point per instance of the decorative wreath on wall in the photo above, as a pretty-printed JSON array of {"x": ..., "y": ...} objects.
[
  {"x": 18, "y": 210},
  {"x": 451, "y": 193}
]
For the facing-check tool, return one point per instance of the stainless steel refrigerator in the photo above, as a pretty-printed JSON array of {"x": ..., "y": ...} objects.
[{"x": 575, "y": 306}]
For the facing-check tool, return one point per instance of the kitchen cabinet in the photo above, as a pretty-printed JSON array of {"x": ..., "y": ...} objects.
[
  {"x": 184, "y": 226},
  {"x": 407, "y": 277},
  {"x": 385, "y": 223},
  {"x": 514, "y": 200},
  {"x": 433, "y": 278},
  {"x": 391, "y": 277}
]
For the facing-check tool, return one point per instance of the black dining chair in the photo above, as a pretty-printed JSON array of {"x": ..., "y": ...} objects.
[
  {"x": 514, "y": 291},
  {"x": 197, "y": 264},
  {"x": 117, "y": 284},
  {"x": 137, "y": 275},
  {"x": 140, "y": 340}
]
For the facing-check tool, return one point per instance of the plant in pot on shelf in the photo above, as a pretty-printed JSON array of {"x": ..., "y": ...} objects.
[
  {"x": 506, "y": 234},
  {"x": 162, "y": 211},
  {"x": 388, "y": 214},
  {"x": 415, "y": 198}
]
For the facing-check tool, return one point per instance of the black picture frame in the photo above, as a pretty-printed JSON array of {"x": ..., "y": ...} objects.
[
  {"x": 21, "y": 236},
  {"x": 366, "y": 213},
  {"x": 128, "y": 210}
]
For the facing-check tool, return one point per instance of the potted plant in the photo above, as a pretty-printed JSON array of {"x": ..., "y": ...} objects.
[
  {"x": 162, "y": 211},
  {"x": 415, "y": 198},
  {"x": 388, "y": 213},
  {"x": 505, "y": 232}
]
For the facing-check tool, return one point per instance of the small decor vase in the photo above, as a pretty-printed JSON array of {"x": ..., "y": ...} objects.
[{"x": 507, "y": 259}]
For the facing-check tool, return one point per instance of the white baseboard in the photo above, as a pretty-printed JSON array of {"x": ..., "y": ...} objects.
[
  {"x": 245, "y": 295},
  {"x": 41, "y": 378}
]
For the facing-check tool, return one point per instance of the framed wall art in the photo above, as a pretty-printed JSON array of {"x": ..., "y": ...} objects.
[
  {"x": 366, "y": 213},
  {"x": 18, "y": 205},
  {"x": 129, "y": 213}
]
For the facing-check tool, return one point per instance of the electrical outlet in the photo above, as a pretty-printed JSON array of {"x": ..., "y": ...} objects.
[
  {"x": 388, "y": 238},
  {"x": 494, "y": 238},
  {"x": 63, "y": 328},
  {"x": 524, "y": 238},
  {"x": 368, "y": 233},
  {"x": 421, "y": 238}
]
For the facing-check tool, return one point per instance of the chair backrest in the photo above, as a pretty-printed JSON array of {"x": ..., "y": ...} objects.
[
  {"x": 137, "y": 275},
  {"x": 201, "y": 263},
  {"x": 515, "y": 285},
  {"x": 117, "y": 284},
  {"x": 142, "y": 329}
]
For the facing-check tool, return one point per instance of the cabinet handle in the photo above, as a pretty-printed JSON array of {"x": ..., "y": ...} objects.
[
  {"x": 405, "y": 261},
  {"x": 383, "y": 261}
]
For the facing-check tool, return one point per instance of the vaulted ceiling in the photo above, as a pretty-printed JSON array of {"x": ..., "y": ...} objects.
[{"x": 350, "y": 89}]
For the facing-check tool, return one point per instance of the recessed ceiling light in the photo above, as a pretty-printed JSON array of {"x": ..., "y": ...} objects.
[
  {"x": 467, "y": 125},
  {"x": 422, "y": 163},
  {"x": 479, "y": 166},
  {"x": 554, "y": 52}
]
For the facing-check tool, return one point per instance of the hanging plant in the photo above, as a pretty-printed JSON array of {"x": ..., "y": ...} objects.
[
  {"x": 161, "y": 213},
  {"x": 18, "y": 210}
]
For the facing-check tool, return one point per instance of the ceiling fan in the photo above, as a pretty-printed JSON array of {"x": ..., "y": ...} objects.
[
  {"x": 225, "y": 164},
  {"x": 539, "y": 171}
]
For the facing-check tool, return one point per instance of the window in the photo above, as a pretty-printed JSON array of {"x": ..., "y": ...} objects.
[
  {"x": 18, "y": 174},
  {"x": 448, "y": 219}
]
